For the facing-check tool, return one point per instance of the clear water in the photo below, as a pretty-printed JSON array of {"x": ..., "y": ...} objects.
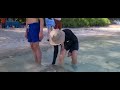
[{"x": 98, "y": 53}]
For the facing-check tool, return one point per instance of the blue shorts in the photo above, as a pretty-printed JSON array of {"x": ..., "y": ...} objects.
[
  {"x": 49, "y": 23},
  {"x": 33, "y": 32}
]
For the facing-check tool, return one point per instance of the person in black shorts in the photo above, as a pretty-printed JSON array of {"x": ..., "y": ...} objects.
[{"x": 68, "y": 41}]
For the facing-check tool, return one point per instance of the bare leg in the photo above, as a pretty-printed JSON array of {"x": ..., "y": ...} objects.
[
  {"x": 33, "y": 50},
  {"x": 49, "y": 30},
  {"x": 38, "y": 53},
  {"x": 74, "y": 57},
  {"x": 48, "y": 34},
  {"x": 62, "y": 56}
]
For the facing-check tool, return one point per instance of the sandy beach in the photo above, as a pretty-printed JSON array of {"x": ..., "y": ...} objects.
[{"x": 99, "y": 51}]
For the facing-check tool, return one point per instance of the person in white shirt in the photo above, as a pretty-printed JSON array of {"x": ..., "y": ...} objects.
[{"x": 58, "y": 25}]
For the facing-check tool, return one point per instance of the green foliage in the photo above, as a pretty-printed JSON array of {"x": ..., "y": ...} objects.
[
  {"x": 79, "y": 22},
  {"x": 21, "y": 20},
  {"x": 85, "y": 22}
]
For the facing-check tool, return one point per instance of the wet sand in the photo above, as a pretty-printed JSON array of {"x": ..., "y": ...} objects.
[{"x": 99, "y": 51}]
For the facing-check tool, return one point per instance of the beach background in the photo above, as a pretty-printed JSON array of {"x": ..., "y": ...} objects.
[{"x": 99, "y": 51}]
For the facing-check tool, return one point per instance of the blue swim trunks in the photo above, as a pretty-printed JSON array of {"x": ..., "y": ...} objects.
[
  {"x": 49, "y": 22},
  {"x": 33, "y": 32}
]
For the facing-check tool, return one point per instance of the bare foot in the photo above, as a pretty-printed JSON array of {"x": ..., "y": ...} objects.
[{"x": 38, "y": 62}]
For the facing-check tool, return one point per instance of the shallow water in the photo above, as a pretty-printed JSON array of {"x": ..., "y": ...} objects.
[{"x": 99, "y": 52}]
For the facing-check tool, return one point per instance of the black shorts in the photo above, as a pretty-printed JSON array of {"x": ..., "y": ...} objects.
[{"x": 72, "y": 47}]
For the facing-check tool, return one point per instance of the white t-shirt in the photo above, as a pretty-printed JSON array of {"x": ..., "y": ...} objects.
[{"x": 58, "y": 19}]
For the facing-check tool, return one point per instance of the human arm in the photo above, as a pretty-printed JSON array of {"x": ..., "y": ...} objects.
[
  {"x": 62, "y": 54},
  {"x": 41, "y": 28}
]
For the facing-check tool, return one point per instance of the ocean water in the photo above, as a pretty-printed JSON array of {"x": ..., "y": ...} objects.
[{"x": 97, "y": 53}]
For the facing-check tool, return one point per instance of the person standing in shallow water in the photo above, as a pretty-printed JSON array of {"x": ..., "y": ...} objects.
[
  {"x": 34, "y": 35},
  {"x": 50, "y": 24}
]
